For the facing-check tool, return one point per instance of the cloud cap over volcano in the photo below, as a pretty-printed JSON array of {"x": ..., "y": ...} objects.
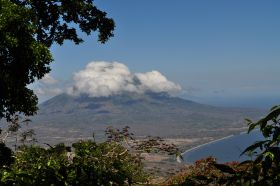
[{"x": 108, "y": 78}]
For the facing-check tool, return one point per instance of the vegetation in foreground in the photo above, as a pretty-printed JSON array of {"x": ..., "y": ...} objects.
[
  {"x": 118, "y": 161},
  {"x": 264, "y": 169},
  {"x": 85, "y": 163}
]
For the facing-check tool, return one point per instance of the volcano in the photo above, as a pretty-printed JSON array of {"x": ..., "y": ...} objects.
[{"x": 66, "y": 117}]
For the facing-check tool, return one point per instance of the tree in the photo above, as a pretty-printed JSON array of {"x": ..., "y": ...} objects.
[
  {"x": 28, "y": 28},
  {"x": 263, "y": 169}
]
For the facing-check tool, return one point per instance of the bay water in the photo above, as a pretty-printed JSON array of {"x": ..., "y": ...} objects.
[{"x": 224, "y": 150}]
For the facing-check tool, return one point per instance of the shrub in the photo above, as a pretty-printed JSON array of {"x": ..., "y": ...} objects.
[
  {"x": 89, "y": 163},
  {"x": 202, "y": 172}
]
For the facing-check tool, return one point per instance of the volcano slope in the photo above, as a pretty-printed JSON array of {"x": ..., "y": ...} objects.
[{"x": 68, "y": 118}]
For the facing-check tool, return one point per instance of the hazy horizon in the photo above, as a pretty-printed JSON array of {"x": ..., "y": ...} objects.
[{"x": 220, "y": 53}]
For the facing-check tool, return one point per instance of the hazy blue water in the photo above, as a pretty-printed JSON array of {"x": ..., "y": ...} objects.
[{"x": 224, "y": 150}]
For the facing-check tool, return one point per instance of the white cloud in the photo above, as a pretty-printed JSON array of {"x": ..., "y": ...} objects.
[
  {"x": 47, "y": 87},
  {"x": 48, "y": 79},
  {"x": 46, "y": 91},
  {"x": 156, "y": 82},
  {"x": 109, "y": 78}
]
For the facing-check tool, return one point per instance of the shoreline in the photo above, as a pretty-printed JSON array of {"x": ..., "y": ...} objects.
[{"x": 196, "y": 147}]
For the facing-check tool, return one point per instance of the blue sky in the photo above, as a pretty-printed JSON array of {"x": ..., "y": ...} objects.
[{"x": 221, "y": 52}]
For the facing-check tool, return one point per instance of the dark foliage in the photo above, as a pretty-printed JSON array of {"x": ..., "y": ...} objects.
[
  {"x": 204, "y": 172},
  {"x": 6, "y": 157},
  {"x": 27, "y": 31},
  {"x": 117, "y": 161},
  {"x": 264, "y": 169}
]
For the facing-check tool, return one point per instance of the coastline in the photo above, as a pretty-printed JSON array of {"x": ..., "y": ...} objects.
[
  {"x": 204, "y": 144},
  {"x": 237, "y": 142}
]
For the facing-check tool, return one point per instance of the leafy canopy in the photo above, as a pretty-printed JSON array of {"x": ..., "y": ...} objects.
[{"x": 28, "y": 28}]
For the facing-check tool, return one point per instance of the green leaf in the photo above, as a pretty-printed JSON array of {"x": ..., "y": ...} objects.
[
  {"x": 251, "y": 148},
  {"x": 269, "y": 154},
  {"x": 273, "y": 114},
  {"x": 248, "y": 121},
  {"x": 252, "y": 127}
]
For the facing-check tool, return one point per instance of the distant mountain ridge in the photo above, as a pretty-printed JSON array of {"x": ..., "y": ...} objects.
[{"x": 147, "y": 114}]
